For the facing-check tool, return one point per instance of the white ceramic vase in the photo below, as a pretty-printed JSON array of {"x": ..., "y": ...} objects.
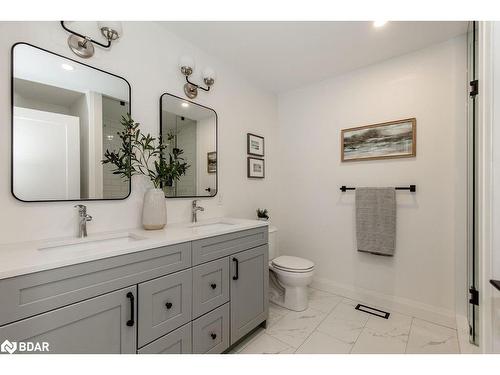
[{"x": 154, "y": 211}]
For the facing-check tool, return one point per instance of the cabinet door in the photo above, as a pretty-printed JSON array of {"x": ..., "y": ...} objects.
[
  {"x": 249, "y": 285},
  {"x": 105, "y": 324}
]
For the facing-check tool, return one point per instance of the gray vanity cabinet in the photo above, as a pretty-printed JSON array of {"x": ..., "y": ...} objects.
[
  {"x": 103, "y": 324},
  {"x": 249, "y": 290},
  {"x": 199, "y": 296}
]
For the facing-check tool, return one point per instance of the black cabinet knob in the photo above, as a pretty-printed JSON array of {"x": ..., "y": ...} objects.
[
  {"x": 213, "y": 336},
  {"x": 213, "y": 285},
  {"x": 168, "y": 305}
]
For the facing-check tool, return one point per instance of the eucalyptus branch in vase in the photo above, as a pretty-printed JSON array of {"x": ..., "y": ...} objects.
[{"x": 142, "y": 154}]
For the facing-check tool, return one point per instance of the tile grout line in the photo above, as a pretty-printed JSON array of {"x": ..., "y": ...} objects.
[
  {"x": 333, "y": 337},
  {"x": 257, "y": 335},
  {"x": 276, "y": 338},
  {"x": 315, "y": 329},
  {"x": 264, "y": 331},
  {"x": 270, "y": 334},
  {"x": 360, "y": 333},
  {"x": 438, "y": 324},
  {"x": 409, "y": 333},
  {"x": 280, "y": 317}
]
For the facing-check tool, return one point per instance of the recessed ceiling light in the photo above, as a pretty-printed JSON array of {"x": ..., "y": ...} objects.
[
  {"x": 67, "y": 67},
  {"x": 185, "y": 105},
  {"x": 379, "y": 23}
]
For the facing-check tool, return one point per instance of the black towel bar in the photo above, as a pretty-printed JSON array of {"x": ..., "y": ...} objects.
[{"x": 411, "y": 188}]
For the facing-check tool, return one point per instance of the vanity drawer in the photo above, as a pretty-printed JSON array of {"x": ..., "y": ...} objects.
[
  {"x": 211, "y": 332},
  {"x": 35, "y": 293},
  {"x": 165, "y": 304},
  {"x": 176, "y": 342},
  {"x": 217, "y": 247},
  {"x": 210, "y": 286}
]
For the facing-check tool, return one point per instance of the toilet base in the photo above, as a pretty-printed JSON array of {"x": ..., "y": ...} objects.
[{"x": 294, "y": 298}]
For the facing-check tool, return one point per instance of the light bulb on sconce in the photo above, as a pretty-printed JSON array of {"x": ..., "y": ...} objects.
[
  {"x": 187, "y": 65},
  {"x": 111, "y": 30},
  {"x": 209, "y": 76}
]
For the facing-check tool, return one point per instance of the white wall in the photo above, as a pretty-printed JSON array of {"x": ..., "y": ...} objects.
[
  {"x": 147, "y": 56},
  {"x": 316, "y": 220}
]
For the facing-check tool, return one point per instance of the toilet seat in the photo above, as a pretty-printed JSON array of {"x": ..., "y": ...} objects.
[{"x": 292, "y": 264}]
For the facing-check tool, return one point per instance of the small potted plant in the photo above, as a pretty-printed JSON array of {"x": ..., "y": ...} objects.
[
  {"x": 262, "y": 214},
  {"x": 141, "y": 154}
]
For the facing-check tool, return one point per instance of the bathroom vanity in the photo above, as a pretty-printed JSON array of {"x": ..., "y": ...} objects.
[{"x": 185, "y": 289}]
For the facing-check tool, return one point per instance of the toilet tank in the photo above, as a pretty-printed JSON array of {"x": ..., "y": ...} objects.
[{"x": 273, "y": 242}]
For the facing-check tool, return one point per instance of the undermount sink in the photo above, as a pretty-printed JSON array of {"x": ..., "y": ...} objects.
[
  {"x": 211, "y": 227},
  {"x": 116, "y": 239}
]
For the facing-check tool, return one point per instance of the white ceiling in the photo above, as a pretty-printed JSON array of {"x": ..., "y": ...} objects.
[{"x": 280, "y": 56}]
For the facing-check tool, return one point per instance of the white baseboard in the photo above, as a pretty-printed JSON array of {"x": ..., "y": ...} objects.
[
  {"x": 463, "y": 337},
  {"x": 402, "y": 305}
]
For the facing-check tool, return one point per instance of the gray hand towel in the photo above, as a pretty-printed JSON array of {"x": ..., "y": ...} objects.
[{"x": 376, "y": 220}]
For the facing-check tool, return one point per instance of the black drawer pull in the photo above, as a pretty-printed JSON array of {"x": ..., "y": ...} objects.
[
  {"x": 237, "y": 274},
  {"x": 213, "y": 336},
  {"x": 213, "y": 285},
  {"x": 131, "y": 297},
  {"x": 168, "y": 305}
]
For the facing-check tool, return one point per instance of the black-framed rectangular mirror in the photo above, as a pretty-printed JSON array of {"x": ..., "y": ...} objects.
[
  {"x": 65, "y": 115},
  {"x": 189, "y": 132}
]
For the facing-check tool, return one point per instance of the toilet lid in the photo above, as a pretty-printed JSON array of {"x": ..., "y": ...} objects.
[{"x": 286, "y": 262}]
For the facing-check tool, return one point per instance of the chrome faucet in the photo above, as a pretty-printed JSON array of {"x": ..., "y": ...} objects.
[
  {"x": 83, "y": 218},
  {"x": 194, "y": 211}
]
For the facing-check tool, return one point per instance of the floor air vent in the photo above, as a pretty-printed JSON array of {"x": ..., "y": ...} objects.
[{"x": 373, "y": 311}]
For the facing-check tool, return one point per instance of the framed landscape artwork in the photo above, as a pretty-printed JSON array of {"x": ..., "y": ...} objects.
[
  {"x": 212, "y": 162},
  {"x": 255, "y": 168},
  {"x": 255, "y": 145},
  {"x": 394, "y": 139}
]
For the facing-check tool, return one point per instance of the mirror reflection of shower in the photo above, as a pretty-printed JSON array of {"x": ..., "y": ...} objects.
[{"x": 192, "y": 129}]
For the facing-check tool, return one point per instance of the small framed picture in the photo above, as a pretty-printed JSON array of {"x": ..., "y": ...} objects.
[
  {"x": 255, "y": 145},
  {"x": 212, "y": 162},
  {"x": 255, "y": 168}
]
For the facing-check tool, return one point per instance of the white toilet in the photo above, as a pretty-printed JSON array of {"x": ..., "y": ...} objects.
[{"x": 288, "y": 277}]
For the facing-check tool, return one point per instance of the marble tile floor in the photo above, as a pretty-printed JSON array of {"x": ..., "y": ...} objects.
[{"x": 331, "y": 325}]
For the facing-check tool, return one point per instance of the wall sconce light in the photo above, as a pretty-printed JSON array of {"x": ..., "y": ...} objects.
[
  {"x": 83, "y": 46},
  {"x": 186, "y": 64}
]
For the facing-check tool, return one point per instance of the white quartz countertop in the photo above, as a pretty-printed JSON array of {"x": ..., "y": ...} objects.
[{"x": 27, "y": 257}]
